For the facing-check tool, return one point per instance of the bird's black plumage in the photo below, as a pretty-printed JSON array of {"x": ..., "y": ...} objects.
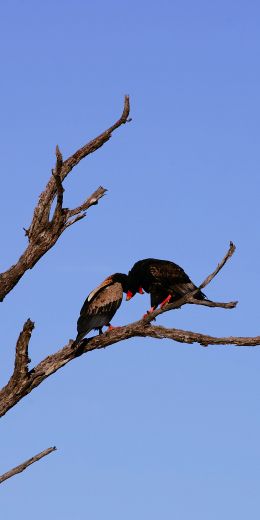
[
  {"x": 101, "y": 305},
  {"x": 160, "y": 278}
]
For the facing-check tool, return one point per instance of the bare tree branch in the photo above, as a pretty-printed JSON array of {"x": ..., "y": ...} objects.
[
  {"x": 23, "y": 382},
  {"x": 24, "y": 465},
  {"x": 10, "y": 396},
  {"x": 44, "y": 232}
]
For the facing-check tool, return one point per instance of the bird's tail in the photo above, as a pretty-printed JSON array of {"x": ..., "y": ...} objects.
[
  {"x": 184, "y": 288},
  {"x": 200, "y": 296},
  {"x": 78, "y": 339}
]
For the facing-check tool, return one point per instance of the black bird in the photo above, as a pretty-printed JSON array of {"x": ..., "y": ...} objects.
[
  {"x": 101, "y": 305},
  {"x": 164, "y": 280}
]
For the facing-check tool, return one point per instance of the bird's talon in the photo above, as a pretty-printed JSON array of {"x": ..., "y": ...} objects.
[{"x": 110, "y": 327}]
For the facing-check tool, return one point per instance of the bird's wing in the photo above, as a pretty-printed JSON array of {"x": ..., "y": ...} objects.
[
  {"x": 168, "y": 275},
  {"x": 101, "y": 308},
  {"x": 107, "y": 300},
  {"x": 161, "y": 278},
  {"x": 94, "y": 294},
  {"x": 164, "y": 272}
]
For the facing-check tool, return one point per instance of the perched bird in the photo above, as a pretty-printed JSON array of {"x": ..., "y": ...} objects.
[
  {"x": 164, "y": 280},
  {"x": 101, "y": 305}
]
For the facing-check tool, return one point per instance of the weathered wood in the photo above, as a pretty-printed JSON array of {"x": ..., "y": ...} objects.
[{"x": 24, "y": 465}]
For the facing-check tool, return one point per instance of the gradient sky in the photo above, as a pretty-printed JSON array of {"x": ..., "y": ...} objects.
[{"x": 147, "y": 428}]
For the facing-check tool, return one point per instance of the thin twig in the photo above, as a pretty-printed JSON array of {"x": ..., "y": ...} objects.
[
  {"x": 221, "y": 264},
  {"x": 24, "y": 465},
  {"x": 75, "y": 219},
  {"x": 80, "y": 210},
  {"x": 210, "y": 303},
  {"x": 96, "y": 143}
]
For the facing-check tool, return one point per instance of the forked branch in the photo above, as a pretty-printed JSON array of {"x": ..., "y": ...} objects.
[{"x": 44, "y": 231}]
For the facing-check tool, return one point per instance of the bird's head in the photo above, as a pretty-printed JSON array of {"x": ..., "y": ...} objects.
[
  {"x": 120, "y": 278},
  {"x": 135, "y": 280},
  {"x": 134, "y": 287}
]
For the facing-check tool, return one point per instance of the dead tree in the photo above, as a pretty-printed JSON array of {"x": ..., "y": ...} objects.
[{"x": 42, "y": 234}]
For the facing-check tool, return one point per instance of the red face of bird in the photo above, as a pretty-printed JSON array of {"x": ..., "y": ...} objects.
[{"x": 130, "y": 294}]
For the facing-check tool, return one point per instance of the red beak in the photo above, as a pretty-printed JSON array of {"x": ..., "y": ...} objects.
[
  {"x": 140, "y": 290},
  {"x": 129, "y": 295}
]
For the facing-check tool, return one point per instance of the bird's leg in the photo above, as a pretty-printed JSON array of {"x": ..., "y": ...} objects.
[
  {"x": 100, "y": 331},
  {"x": 110, "y": 327},
  {"x": 166, "y": 300}
]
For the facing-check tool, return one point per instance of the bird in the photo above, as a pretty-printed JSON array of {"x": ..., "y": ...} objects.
[
  {"x": 163, "y": 279},
  {"x": 101, "y": 305}
]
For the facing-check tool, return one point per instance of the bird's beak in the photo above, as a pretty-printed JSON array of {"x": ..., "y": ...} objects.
[
  {"x": 129, "y": 295},
  {"x": 140, "y": 290}
]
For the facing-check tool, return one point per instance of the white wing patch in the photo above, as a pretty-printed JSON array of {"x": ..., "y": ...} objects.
[{"x": 91, "y": 295}]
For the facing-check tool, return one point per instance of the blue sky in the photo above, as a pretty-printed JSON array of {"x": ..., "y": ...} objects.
[{"x": 147, "y": 428}]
